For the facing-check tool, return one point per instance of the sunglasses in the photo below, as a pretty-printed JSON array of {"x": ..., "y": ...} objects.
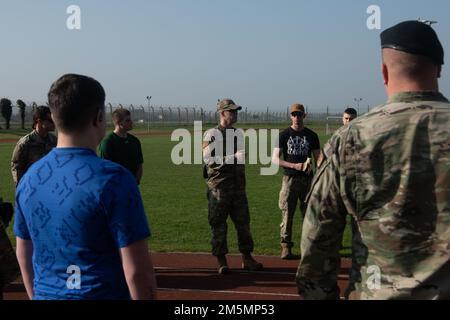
[{"x": 297, "y": 114}]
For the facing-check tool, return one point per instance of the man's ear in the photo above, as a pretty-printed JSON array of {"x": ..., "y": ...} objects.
[
  {"x": 99, "y": 118},
  {"x": 385, "y": 72},
  {"x": 439, "y": 71}
]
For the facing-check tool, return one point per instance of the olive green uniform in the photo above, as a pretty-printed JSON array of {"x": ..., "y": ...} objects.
[
  {"x": 28, "y": 150},
  {"x": 226, "y": 196}
]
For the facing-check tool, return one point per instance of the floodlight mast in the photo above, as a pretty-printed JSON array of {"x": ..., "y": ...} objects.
[
  {"x": 148, "y": 118},
  {"x": 358, "y": 100}
]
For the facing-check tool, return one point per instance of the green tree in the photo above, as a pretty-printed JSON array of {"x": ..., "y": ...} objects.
[
  {"x": 6, "y": 110},
  {"x": 21, "y": 105}
]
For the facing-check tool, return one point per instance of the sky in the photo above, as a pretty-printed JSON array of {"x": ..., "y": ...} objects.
[{"x": 261, "y": 53}]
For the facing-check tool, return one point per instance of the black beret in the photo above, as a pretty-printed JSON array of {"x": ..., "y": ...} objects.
[{"x": 414, "y": 37}]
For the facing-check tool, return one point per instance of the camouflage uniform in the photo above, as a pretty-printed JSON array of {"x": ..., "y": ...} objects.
[
  {"x": 390, "y": 170},
  {"x": 28, "y": 150},
  {"x": 359, "y": 250},
  {"x": 226, "y": 196}
]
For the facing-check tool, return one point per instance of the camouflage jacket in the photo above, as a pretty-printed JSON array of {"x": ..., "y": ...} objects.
[
  {"x": 223, "y": 169},
  {"x": 390, "y": 170},
  {"x": 28, "y": 150}
]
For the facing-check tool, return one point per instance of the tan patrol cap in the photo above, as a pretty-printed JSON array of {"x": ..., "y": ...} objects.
[
  {"x": 227, "y": 104},
  {"x": 296, "y": 107}
]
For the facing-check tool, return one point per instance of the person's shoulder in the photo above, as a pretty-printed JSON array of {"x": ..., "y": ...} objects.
[
  {"x": 29, "y": 137},
  {"x": 442, "y": 105},
  {"x": 41, "y": 164},
  {"x": 285, "y": 131},
  {"x": 109, "y": 136},
  {"x": 212, "y": 132},
  {"x": 360, "y": 124},
  {"x": 332, "y": 145},
  {"x": 107, "y": 140},
  {"x": 310, "y": 131},
  {"x": 133, "y": 137},
  {"x": 365, "y": 121}
]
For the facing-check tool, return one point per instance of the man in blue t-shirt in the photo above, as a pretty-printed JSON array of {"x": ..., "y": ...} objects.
[{"x": 80, "y": 223}]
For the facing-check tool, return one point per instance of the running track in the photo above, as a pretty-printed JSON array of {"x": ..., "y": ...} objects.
[{"x": 193, "y": 276}]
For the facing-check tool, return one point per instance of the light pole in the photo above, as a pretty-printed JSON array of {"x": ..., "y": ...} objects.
[
  {"x": 358, "y": 100},
  {"x": 148, "y": 118}
]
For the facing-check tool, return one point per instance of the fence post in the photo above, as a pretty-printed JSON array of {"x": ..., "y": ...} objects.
[{"x": 187, "y": 115}]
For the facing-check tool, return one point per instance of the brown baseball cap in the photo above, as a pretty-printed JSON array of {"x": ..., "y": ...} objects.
[
  {"x": 296, "y": 107},
  {"x": 227, "y": 104}
]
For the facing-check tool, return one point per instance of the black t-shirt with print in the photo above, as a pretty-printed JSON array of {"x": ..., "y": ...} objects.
[{"x": 297, "y": 146}]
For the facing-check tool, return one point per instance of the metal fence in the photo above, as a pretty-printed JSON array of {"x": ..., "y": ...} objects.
[{"x": 185, "y": 115}]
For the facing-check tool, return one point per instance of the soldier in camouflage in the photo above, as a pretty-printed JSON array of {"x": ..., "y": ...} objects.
[
  {"x": 34, "y": 145},
  {"x": 224, "y": 156},
  {"x": 390, "y": 170}
]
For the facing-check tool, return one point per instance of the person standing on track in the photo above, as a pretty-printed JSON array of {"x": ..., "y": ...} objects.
[
  {"x": 389, "y": 170},
  {"x": 80, "y": 224},
  {"x": 224, "y": 156},
  {"x": 298, "y": 145}
]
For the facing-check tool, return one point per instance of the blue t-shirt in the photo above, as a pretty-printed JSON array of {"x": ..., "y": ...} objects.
[{"x": 78, "y": 210}]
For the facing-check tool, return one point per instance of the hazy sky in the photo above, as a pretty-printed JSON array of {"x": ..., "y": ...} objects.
[{"x": 192, "y": 52}]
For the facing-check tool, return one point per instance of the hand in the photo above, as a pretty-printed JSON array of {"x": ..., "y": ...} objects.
[
  {"x": 307, "y": 168},
  {"x": 240, "y": 156},
  {"x": 298, "y": 166}
]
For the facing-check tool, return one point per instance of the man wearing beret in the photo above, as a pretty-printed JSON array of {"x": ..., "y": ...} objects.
[
  {"x": 297, "y": 144},
  {"x": 224, "y": 156},
  {"x": 390, "y": 171}
]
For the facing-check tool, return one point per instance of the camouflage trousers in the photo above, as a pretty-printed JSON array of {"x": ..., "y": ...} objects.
[
  {"x": 359, "y": 258},
  {"x": 232, "y": 203},
  {"x": 293, "y": 189}
]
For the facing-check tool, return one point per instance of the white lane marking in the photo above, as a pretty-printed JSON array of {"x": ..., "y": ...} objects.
[
  {"x": 231, "y": 292},
  {"x": 233, "y": 271}
]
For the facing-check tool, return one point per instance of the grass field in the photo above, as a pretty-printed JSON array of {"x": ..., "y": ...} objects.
[{"x": 175, "y": 197}]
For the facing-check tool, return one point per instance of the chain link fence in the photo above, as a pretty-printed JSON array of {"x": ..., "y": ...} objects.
[{"x": 160, "y": 116}]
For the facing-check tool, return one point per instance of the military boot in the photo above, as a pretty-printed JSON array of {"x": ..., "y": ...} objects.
[
  {"x": 286, "y": 253},
  {"x": 248, "y": 263},
  {"x": 223, "y": 265}
]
